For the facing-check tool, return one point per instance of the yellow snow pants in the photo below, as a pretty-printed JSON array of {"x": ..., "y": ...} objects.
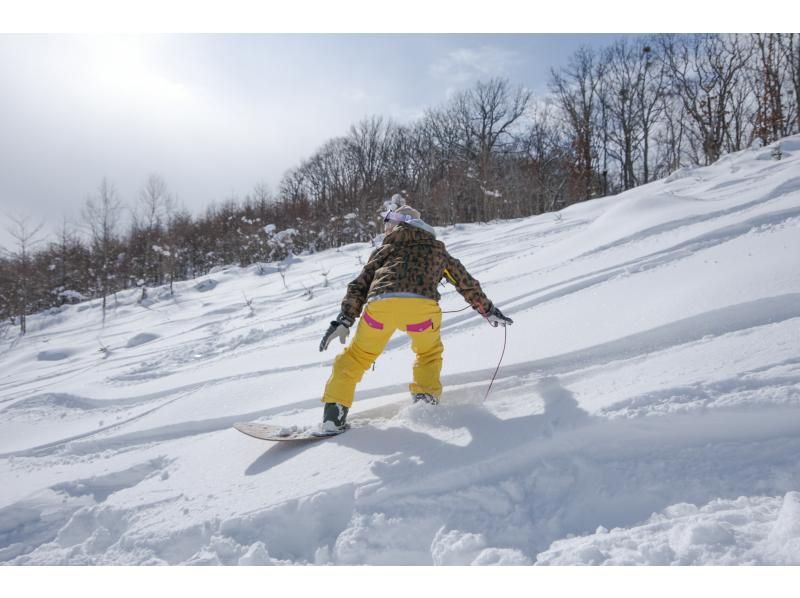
[{"x": 419, "y": 318}]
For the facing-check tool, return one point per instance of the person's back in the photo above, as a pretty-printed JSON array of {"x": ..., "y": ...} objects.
[{"x": 411, "y": 262}]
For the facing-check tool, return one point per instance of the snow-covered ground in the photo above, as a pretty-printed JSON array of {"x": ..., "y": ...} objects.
[{"x": 647, "y": 410}]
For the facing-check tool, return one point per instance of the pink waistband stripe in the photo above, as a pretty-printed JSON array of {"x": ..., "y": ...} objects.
[
  {"x": 371, "y": 322},
  {"x": 420, "y": 327}
]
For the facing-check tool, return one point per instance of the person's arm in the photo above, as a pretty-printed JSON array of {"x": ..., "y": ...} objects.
[
  {"x": 357, "y": 290},
  {"x": 354, "y": 300},
  {"x": 471, "y": 290},
  {"x": 466, "y": 285}
]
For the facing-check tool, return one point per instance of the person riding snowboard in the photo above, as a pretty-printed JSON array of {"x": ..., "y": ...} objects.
[{"x": 399, "y": 285}]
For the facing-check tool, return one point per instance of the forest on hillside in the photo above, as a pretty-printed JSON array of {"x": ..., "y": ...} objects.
[{"x": 614, "y": 119}]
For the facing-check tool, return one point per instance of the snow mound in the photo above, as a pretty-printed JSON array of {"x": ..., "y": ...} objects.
[
  {"x": 206, "y": 285},
  {"x": 747, "y": 530},
  {"x": 141, "y": 339},
  {"x": 56, "y": 354}
]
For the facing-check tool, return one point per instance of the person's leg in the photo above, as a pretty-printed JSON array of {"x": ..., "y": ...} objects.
[
  {"x": 426, "y": 342},
  {"x": 349, "y": 366}
]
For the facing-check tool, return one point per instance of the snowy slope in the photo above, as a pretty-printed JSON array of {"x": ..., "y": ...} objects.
[{"x": 647, "y": 409}]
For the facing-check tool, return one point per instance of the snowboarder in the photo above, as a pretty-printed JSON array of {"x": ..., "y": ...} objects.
[{"x": 399, "y": 285}]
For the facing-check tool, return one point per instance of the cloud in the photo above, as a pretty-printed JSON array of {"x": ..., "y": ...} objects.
[
  {"x": 463, "y": 66},
  {"x": 356, "y": 95}
]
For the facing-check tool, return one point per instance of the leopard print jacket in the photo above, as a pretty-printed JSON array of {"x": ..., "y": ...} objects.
[{"x": 411, "y": 260}]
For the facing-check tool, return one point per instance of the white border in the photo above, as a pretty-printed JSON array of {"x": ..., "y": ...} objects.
[
  {"x": 351, "y": 582},
  {"x": 393, "y": 16}
]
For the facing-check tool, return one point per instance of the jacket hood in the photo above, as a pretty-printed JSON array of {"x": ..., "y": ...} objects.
[{"x": 414, "y": 226}]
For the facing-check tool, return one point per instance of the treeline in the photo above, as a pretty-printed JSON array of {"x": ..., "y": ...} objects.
[{"x": 615, "y": 118}]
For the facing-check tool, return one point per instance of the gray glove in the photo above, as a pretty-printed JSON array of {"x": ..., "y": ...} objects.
[
  {"x": 496, "y": 318},
  {"x": 339, "y": 328}
]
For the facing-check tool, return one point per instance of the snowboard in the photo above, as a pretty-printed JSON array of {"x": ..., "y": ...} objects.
[{"x": 275, "y": 433}]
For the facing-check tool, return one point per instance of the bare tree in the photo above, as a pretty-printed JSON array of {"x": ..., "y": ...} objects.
[
  {"x": 632, "y": 90},
  {"x": 495, "y": 107},
  {"x": 101, "y": 214},
  {"x": 624, "y": 73},
  {"x": 369, "y": 149},
  {"x": 652, "y": 89},
  {"x": 262, "y": 198},
  {"x": 150, "y": 220},
  {"x": 771, "y": 76},
  {"x": 548, "y": 156},
  {"x": 68, "y": 257},
  {"x": 790, "y": 44},
  {"x": 459, "y": 152},
  {"x": 26, "y": 237},
  {"x": 575, "y": 88},
  {"x": 704, "y": 72},
  {"x": 174, "y": 238}
]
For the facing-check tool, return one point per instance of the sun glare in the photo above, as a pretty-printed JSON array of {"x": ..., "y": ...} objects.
[{"x": 127, "y": 65}]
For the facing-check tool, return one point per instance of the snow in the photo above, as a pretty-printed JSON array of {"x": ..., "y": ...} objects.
[
  {"x": 647, "y": 410},
  {"x": 747, "y": 530}
]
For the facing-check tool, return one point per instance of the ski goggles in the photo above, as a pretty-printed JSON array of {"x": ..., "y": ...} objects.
[{"x": 392, "y": 216}]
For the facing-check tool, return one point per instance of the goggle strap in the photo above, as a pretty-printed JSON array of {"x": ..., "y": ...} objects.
[{"x": 395, "y": 217}]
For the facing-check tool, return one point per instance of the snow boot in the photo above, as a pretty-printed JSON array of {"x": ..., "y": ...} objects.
[
  {"x": 334, "y": 417},
  {"x": 425, "y": 398}
]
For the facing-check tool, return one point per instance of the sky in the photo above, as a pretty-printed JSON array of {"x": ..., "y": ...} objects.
[
  {"x": 85, "y": 94},
  {"x": 217, "y": 114}
]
